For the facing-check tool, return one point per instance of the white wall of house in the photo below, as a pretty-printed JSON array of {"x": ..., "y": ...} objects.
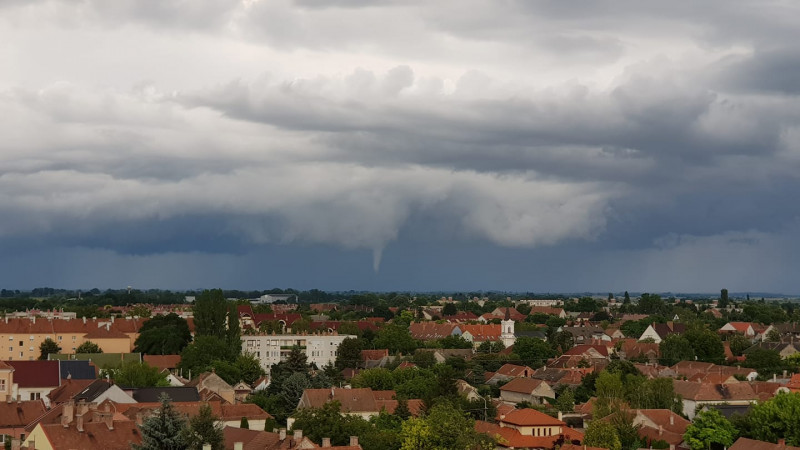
[{"x": 650, "y": 332}]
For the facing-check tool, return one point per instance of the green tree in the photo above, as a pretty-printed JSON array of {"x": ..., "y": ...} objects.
[
  {"x": 163, "y": 335},
  {"x": 137, "y": 374},
  {"x": 249, "y": 367},
  {"x": 233, "y": 333},
  {"x": 88, "y": 347},
  {"x": 739, "y": 344},
  {"x": 244, "y": 424},
  {"x": 443, "y": 428},
  {"x": 455, "y": 342},
  {"x": 140, "y": 311},
  {"x": 533, "y": 352},
  {"x": 776, "y": 419},
  {"x": 490, "y": 347},
  {"x": 200, "y": 355},
  {"x": 164, "y": 430},
  {"x": 204, "y": 428},
  {"x": 610, "y": 394},
  {"x": 449, "y": 310},
  {"x": 627, "y": 299},
  {"x": 774, "y": 335},
  {"x": 675, "y": 348},
  {"x": 566, "y": 400},
  {"x": 349, "y": 353},
  {"x": 723, "y": 298},
  {"x": 706, "y": 344},
  {"x": 396, "y": 338},
  {"x": 651, "y": 304},
  {"x": 765, "y": 361},
  {"x": 210, "y": 314},
  {"x": 563, "y": 341},
  {"x": 47, "y": 347},
  {"x": 602, "y": 434},
  {"x": 707, "y": 428}
]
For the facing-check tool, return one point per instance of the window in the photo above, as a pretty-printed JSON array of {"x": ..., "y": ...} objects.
[
  {"x": 73, "y": 338},
  {"x": 59, "y": 338},
  {"x": 10, "y": 349},
  {"x": 21, "y": 354},
  {"x": 11, "y": 338},
  {"x": 31, "y": 338},
  {"x": 20, "y": 343},
  {"x": 2, "y": 385},
  {"x": 36, "y": 395},
  {"x": 30, "y": 349}
]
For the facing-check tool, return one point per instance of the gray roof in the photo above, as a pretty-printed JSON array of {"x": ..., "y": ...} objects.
[
  {"x": 175, "y": 393},
  {"x": 78, "y": 370},
  {"x": 91, "y": 392}
]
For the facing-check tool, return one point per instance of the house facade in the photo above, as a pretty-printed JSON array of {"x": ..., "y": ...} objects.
[{"x": 320, "y": 349}]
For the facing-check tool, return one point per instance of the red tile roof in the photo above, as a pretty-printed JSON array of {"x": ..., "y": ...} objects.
[
  {"x": 521, "y": 385},
  {"x": 162, "y": 362},
  {"x": 530, "y": 417},
  {"x": 96, "y": 435},
  {"x": 67, "y": 390},
  {"x": 751, "y": 444},
  {"x": 513, "y": 370},
  {"x": 19, "y": 414}
]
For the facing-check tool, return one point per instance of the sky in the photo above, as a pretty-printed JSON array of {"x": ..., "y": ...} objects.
[{"x": 518, "y": 145}]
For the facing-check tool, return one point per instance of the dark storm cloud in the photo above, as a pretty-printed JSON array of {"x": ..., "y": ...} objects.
[{"x": 650, "y": 142}]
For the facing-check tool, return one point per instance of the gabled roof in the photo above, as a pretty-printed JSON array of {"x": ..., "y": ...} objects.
[
  {"x": 351, "y": 400},
  {"x": 367, "y": 355},
  {"x": 513, "y": 370},
  {"x": 67, "y": 390},
  {"x": 715, "y": 392},
  {"x": 522, "y": 385},
  {"x": 480, "y": 333},
  {"x": 176, "y": 393},
  {"x": 95, "y": 435},
  {"x": 665, "y": 329},
  {"x": 530, "y": 418},
  {"x": 431, "y": 330},
  {"x": 751, "y": 444},
  {"x": 19, "y": 414},
  {"x": 162, "y": 362},
  {"x": 583, "y": 349},
  {"x": 92, "y": 391},
  {"x": 36, "y": 374}
]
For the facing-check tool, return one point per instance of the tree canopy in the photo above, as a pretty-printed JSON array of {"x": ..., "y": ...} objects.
[
  {"x": 163, "y": 335},
  {"x": 710, "y": 427}
]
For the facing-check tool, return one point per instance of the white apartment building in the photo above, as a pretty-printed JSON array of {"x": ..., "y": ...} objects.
[{"x": 270, "y": 349}]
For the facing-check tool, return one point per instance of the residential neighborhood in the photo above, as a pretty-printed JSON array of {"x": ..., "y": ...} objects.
[{"x": 372, "y": 372}]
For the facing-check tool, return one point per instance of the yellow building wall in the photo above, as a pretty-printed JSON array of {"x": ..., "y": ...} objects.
[
  {"x": 6, "y": 381},
  {"x": 114, "y": 345},
  {"x": 37, "y": 439},
  {"x": 25, "y": 347}
]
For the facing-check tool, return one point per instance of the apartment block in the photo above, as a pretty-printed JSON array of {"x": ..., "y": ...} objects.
[{"x": 270, "y": 349}]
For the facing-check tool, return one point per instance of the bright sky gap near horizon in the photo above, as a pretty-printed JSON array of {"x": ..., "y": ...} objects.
[{"x": 400, "y": 145}]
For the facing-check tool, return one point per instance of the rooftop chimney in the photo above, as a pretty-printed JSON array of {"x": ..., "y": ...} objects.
[
  {"x": 282, "y": 433},
  {"x": 67, "y": 413},
  {"x": 353, "y": 441},
  {"x": 238, "y": 446},
  {"x": 298, "y": 435},
  {"x": 79, "y": 422},
  {"x": 782, "y": 442},
  {"x": 326, "y": 442},
  {"x": 672, "y": 419},
  {"x": 660, "y": 430}
]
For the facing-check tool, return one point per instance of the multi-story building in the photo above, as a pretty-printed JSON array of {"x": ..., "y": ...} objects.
[
  {"x": 270, "y": 349},
  {"x": 20, "y": 338}
]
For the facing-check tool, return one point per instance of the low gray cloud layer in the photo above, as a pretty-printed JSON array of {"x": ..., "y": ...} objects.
[{"x": 566, "y": 146}]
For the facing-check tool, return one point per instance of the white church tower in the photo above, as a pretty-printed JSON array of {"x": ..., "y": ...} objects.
[{"x": 507, "y": 330}]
